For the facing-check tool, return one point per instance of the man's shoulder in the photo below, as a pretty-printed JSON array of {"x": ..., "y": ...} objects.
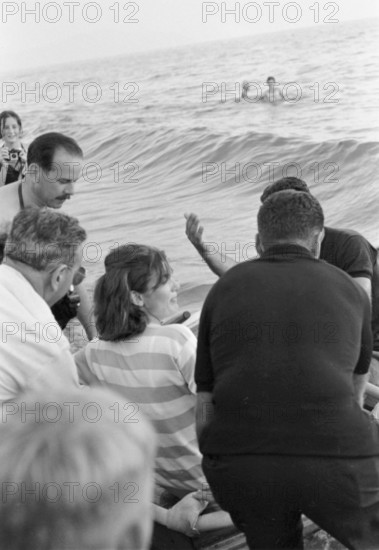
[
  {"x": 341, "y": 246},
  {"x": 336, "y": 235},
  {"x": 259, "y": 267}
]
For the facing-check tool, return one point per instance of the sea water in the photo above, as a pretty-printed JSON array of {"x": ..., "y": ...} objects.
[{"x": 163, "y": 134}]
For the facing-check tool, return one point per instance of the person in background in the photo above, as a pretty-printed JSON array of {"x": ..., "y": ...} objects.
[
  {"x": 152, "y": 364},
  {"x": 72, "y": 476},
  {"x": 12, "y": 151},
  {"x": 273, "y": 94},
  {"x": 54, "y": 164},
  {"x": 283, "y": 354},
  {"x": 43, "y": 254}
]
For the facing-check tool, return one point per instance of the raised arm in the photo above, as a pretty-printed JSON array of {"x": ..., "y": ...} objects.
[{"x": 217, "y": 262}]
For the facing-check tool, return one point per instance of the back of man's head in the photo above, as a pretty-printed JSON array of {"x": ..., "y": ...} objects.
[
  {"x": 290, "y": 217},
  {"x": 74, "y": 473},
  {"x": 290, "y": 182},
  {"x": 41, "y": 151},
  {"x": 43, "y": 238}
]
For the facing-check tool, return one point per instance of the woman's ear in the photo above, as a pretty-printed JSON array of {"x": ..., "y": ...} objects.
[{"x": 136, "y": 298}]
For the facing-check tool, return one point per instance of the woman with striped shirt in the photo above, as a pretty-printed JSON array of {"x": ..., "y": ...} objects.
[{"x": 152, "y": 364}]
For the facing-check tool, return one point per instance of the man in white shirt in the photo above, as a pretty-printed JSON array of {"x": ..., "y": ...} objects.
[{"x": 42, "y": 258}]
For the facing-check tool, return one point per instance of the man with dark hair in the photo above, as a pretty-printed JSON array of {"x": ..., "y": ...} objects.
[
  {"x": 343, "y": 248},
  {"x": 54, "y": 163},
  {"x": 42, "y": 150},
  {"x": 280, "y": 372},
  {"x": 42, "y": 258},
  {"x": 290, "y": 182}
]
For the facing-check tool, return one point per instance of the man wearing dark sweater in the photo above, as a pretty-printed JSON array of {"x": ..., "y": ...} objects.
[{"x": 284, "y": 348}]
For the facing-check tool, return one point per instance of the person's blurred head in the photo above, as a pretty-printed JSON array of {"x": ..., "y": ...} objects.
[
  {"x": 74, "y": 475},
  {"x": 46, "y": 247},
  {"x": 54, "y": 164},
  {"x": 291, "y": 217},
  {"x": 137, "y": 286}
]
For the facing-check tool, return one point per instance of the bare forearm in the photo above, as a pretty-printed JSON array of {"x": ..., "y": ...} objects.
[
  {"x": 218, "y": 263},
  {"x": 214, "y": 520},
  {"x": 360, "y": 381},
  {"x": 160, "y": 514},
  {"x": 364, "y": 283},
  {"x": 205, "y": 522}
]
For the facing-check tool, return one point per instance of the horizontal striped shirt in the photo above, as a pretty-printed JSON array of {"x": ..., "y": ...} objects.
[{"x": 155, "y": 372}]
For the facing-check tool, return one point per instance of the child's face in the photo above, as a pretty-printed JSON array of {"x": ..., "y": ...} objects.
[{"x": 10, "y": 131}]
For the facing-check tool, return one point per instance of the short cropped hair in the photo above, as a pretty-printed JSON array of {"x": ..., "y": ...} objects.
[
  {"x": 41, "y": 237},
  {"x": 290, "y": 182},
  {"x": 289, "y": 215},
  {"x": 65, "y": 466},
  {"x": 128, "y": 267},
  {"x": 8, "y": 114},
  {"x": 41, "y": 151}
]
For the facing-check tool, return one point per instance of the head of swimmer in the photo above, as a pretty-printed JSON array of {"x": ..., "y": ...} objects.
[
  {"x": 270, "y": 82},
  {"x": 290, "y": 215},
  {"x": 54, "y": 165}
]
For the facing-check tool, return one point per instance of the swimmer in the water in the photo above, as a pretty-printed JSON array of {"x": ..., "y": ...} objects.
[
  {"x": 245, "y": 89},
  {"x": 272, "y": 95}
]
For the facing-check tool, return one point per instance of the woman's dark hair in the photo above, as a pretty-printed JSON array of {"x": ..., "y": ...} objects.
[
  {"x": 8, "y": 114},
  {"x": 128, "y": 267}
]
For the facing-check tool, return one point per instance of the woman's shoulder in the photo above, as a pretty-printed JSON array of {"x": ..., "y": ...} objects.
[{"x": 175, "y": 331}]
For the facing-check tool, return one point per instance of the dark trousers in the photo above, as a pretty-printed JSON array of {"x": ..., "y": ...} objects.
[{"x": 266, "y": 495}]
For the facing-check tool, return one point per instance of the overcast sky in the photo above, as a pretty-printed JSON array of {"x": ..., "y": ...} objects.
[{"x": 79, "y": 29}]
